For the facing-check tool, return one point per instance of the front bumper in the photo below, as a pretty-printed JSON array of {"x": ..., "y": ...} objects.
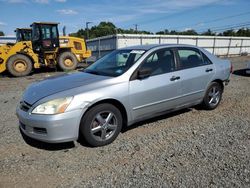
[{"x": 50, "y": 128}]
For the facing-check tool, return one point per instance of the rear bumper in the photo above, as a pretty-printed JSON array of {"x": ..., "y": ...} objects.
[
  {"x": 248, "y": 68},
  {"x": 50, "y": 128}
]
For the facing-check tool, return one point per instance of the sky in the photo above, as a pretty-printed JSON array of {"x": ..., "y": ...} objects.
[{"x": 150, "y": 15}]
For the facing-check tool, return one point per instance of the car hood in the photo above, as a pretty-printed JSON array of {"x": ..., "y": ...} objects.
[{"x": 52, "y": 85}]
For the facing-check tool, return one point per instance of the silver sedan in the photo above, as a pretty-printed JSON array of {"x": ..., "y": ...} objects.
[{"x": 123, "y": 87}]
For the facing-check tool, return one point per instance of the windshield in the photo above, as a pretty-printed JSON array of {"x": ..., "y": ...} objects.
[
  {"x": 26, "y": 35},
  {"x": 23, "y": 35},
  {"x": 115, "y": 63}
]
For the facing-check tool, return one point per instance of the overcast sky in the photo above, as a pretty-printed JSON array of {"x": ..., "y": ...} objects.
[{"x": 151, "y": 15}]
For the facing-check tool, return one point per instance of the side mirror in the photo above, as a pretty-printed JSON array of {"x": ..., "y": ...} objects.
[{"x": 144, "y": 73}]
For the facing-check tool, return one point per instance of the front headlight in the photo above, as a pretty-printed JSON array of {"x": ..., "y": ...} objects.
[{"x": 56, "y": 106}]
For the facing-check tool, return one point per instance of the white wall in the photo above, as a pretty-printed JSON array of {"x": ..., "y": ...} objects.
[
  {"x": 221, "y": 46},
  {"x": 6, "y": 39}
]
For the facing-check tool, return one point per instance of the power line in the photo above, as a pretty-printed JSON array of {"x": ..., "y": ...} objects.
[
  {"x": 224, "y": 27},
  {"x": 214, "y": 20},
  {"x": 233, "y": 27}
]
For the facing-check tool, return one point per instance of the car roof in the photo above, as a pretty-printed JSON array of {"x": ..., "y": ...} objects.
[{"x": 151, "y": 46}]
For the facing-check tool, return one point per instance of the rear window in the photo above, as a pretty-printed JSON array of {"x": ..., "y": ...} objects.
[{"x": 78, "y": 45}]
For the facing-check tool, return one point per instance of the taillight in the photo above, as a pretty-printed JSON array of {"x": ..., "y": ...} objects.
[{"x": 231, "y": 68}]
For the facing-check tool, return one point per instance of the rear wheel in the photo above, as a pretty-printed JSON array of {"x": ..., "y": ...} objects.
[
  {"x": 101, "y": 124},
  {"x": 213, "y": 96},
  {"x": 19, "y": 65},
  {"x": 67, "y": 61}
]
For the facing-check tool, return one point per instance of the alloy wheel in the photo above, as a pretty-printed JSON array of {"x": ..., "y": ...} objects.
[{"x": 104, "y": 126}]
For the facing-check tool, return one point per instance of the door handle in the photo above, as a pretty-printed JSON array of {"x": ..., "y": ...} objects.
[
  {"x": 209, "y": 70},
  {"x": 173, "y": 78}
]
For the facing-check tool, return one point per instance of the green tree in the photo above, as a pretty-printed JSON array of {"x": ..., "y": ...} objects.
[
  {"x": 208, "y": 32},
  {"x": 243, "y": 32},
  {"x": 103, "y": 29},
  {"x": 108, "y": 28},
  {"x": 188, "y": 32},
  {"x": 1, "y": 33},
  {"x": 165, "y": 32},
  {"x": 80, "y": 33},
  {"x": 229, "y": 33}
]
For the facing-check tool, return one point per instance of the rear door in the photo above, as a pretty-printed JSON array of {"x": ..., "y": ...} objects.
[
  {"x": 196, "y": 71},
  {"x": 159, "y": 91}
]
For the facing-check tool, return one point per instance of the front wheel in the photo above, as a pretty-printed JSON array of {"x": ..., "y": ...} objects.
[
  {"x": 101, "y": 124},
  {"x": 19, "y": 65},
  {"x": 213, "y": 96}
]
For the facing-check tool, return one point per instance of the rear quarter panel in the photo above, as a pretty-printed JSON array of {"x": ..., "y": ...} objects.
[{"x": 222, "y": 66}]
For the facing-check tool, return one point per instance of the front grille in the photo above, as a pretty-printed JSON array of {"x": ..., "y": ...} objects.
[{"x": 24, "y": 106}]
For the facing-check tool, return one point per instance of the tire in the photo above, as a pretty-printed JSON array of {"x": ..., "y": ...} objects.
[
  {"x": 67, "y": 61},
  {"x": 213, "y": 96},
  {"x": 101, "y": 125},
  {"x": 19, "y": 65}
]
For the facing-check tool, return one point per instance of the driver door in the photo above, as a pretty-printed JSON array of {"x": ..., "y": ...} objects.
[{"x": 158, "y": 92}]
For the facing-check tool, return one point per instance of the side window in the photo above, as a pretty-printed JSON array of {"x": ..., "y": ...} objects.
[
  {"x": 35, "y": 33},
  {"x": 54, "y": 32},
  {"x": 206, "y": 60},
  {"x": 160, "y": 62},
  {"x": 189, "y": 58},
  {"x": 26, "y": 35}
]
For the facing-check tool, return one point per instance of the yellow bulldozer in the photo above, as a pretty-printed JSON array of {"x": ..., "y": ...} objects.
[{"x": 45, "y": 49}]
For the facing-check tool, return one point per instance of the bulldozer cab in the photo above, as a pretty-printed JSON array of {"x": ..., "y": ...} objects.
[
  {"x": 23, "y": 34},
  {"x": 45, "y": 37}
]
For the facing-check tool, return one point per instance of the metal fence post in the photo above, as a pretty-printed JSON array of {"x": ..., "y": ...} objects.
[
  {"x": 229, "y": 46},
  {"x": 241, "y": 45},
  {"x": 99, "y": 46},
  {"x": 214, "y": 45},
  {"x": 116, "y": 41}
]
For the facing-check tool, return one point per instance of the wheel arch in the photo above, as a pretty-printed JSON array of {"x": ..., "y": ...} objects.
[
  {"x": 219, "y": 82},
  {"x": 19, "y": 53},
  {"x": 62, "y": 50},
  {"x": 117, "y": 104}
]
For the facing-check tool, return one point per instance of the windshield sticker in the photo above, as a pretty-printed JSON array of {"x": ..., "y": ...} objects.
[{"x": 137, "y": 51}]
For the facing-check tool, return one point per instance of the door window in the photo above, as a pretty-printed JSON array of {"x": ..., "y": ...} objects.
[
  {"x": 160, "y": 62},
  {"x": 189, "y": 58}
]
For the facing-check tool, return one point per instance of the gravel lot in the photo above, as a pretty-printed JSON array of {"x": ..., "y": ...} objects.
[{"x": 188, "y": 148}]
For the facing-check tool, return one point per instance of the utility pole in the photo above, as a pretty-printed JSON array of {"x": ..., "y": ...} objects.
[
  {"x": 136, "y": 28},
  {"x": 87, "y": 29}
]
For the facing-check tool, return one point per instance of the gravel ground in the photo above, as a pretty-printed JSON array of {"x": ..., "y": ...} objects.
[{"x": 188, "y": 148}]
